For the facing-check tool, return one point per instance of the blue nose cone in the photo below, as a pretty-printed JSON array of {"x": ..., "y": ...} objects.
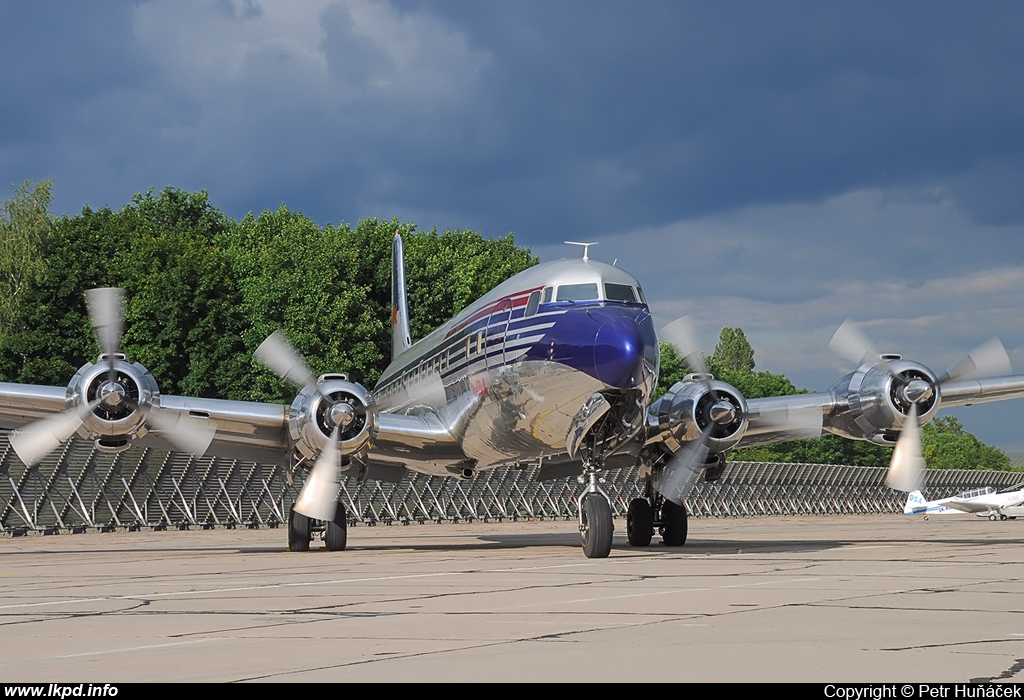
[{"x": 619, "y": 351}]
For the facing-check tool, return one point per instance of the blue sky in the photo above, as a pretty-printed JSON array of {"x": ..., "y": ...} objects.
[{"x": 774, "y": 166}]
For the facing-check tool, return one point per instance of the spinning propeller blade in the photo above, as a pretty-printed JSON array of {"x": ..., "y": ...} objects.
[
  {"x": 987, "y": 360},
  {"x": 681, "y": 334},
  {"x": 850, "y": 343},
  {"x": 677, "y": 478},
  {"x": 285, "y": 361},
  {"x": 319, "y": 497},
  {"x": 106, "y": 311},
  {"x": 185, "y": 433},
  {"x": 44, "y": 436},
  {"x": 906, "y": 469}
]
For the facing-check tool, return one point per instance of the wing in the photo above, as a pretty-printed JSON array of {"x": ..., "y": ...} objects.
[
  {"x": 700, "y": 420},
  {"x": 966, "y": 392},
  {"x": 249, "y": 431},
  {"x": 968, "y": 506},
  {"x": 785, "y": 418}
]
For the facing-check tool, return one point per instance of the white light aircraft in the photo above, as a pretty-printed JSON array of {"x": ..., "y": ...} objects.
[
  {"x": 985, "y": 501},
  {"x": 556, "y": 368}
]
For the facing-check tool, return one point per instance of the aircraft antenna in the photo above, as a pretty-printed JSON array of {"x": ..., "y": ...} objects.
[{"x": 586, "y": 248}]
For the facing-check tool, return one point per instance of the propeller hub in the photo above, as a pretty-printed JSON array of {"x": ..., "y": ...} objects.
[
  {"x": 112, "y": 394},
  {"x": 918, "y": 391},
  {"x": 341, "y": 414},
  {"x": 722, "y": 413}
]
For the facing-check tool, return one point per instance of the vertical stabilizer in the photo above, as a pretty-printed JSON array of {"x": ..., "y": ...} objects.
[
  {"x": 915, "y": 503},
  {"x": 400, "y": 338}
]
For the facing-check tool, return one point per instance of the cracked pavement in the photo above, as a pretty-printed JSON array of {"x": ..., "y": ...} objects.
[{"x": 844, "y": 598}]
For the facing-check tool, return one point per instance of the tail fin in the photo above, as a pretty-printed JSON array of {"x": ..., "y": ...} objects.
[
  {"x": 915, "y": 503},
  {"x": 400, "y": 338}
]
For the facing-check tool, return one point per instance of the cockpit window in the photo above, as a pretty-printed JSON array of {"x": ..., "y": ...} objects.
[
  {"x": 577, "y": 292},
  {"x": 640, "y": 291},
  {"x": 532, "y": 304},
  {"x": 548, "y": 291},
  {"x": 619, "y": 292}
]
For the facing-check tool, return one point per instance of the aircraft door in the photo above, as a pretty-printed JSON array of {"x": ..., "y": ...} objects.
[{"x": 497, "y": 329}]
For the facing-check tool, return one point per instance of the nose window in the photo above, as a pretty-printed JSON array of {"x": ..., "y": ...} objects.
[
  {"x": 577, "y": 292},
  {"x": 619, "y": 292}
]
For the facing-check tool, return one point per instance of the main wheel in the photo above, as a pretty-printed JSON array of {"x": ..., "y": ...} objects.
[
  {"x": 298, "y": 531},
  {"x": 336, "y": 535},
  {"x": 639, "y": 522},
  {"x": 596, "y": 526},
  {"x": 673, "y": 528},
  {"x": 992, "y": 517},
  {"x": 1002, "y": 516}
]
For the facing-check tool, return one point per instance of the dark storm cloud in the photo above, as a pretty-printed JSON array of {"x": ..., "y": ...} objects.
[
  {"x": 534, "y": 117},
  {"x": 669, "y": 111},
  {"x": 775, "y": 166}
]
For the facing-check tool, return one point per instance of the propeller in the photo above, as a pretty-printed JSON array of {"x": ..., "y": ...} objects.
[
  {"x": 681, "y": 334},
  {"x": 677, "y": 478},
  {"x": 106, "y": 311},
  {"x": 906, "y": 468},
  {"x": 39, "y": 439},
  {"x": 319, "y": 496}
]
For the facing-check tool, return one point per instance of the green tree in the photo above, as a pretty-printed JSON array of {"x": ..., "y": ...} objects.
[
  {"x": 182, "y": 316},
  {"x": 329, "y": 289},
  {"x": 673, "y": 368},
  {"x": 24, "y": 229},
  {"x": 323, "y": 287},
  {"x": 946, "y": 445},
  {"x": 733, "y": 351},
  {"x": 49, "y": 335}
]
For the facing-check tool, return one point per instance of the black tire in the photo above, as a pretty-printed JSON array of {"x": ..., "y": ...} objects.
[
  {"x": 1002, "y": 516},
  {"x": 673, "y": 528},
  {"x": 596, "y": 526},
  {"x": 992, "y": 517},
  {"x": 298, "y": 532},
  {"x": 336, "y": 535},
  {"x": 639, "y": 522}
]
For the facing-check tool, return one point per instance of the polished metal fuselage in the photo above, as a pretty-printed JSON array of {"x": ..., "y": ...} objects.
[{"x": 504, "y": 384}]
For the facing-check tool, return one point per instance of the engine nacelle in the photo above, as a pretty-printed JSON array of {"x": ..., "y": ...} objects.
[
  {"x": 120, "y": 417},
  {"x": 339, "y": 403},
  {"x": 879, "y": 398},
  {"x": 693, "y": 404}
]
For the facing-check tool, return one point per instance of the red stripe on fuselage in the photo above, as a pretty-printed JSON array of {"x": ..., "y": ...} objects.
[{"x": 518, "y": 299}]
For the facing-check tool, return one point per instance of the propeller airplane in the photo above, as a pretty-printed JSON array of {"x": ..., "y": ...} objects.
[
  {"x": 555, "y": 367},
  {"x": 983, "y": 502}
]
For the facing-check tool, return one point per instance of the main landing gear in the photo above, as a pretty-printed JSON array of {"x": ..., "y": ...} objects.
[
  {"x": 302, "y": 528},
  {"x": 654, "y": 511}
]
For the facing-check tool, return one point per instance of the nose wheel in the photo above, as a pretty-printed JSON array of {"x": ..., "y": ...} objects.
[{"x": 596, "y": 526}]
